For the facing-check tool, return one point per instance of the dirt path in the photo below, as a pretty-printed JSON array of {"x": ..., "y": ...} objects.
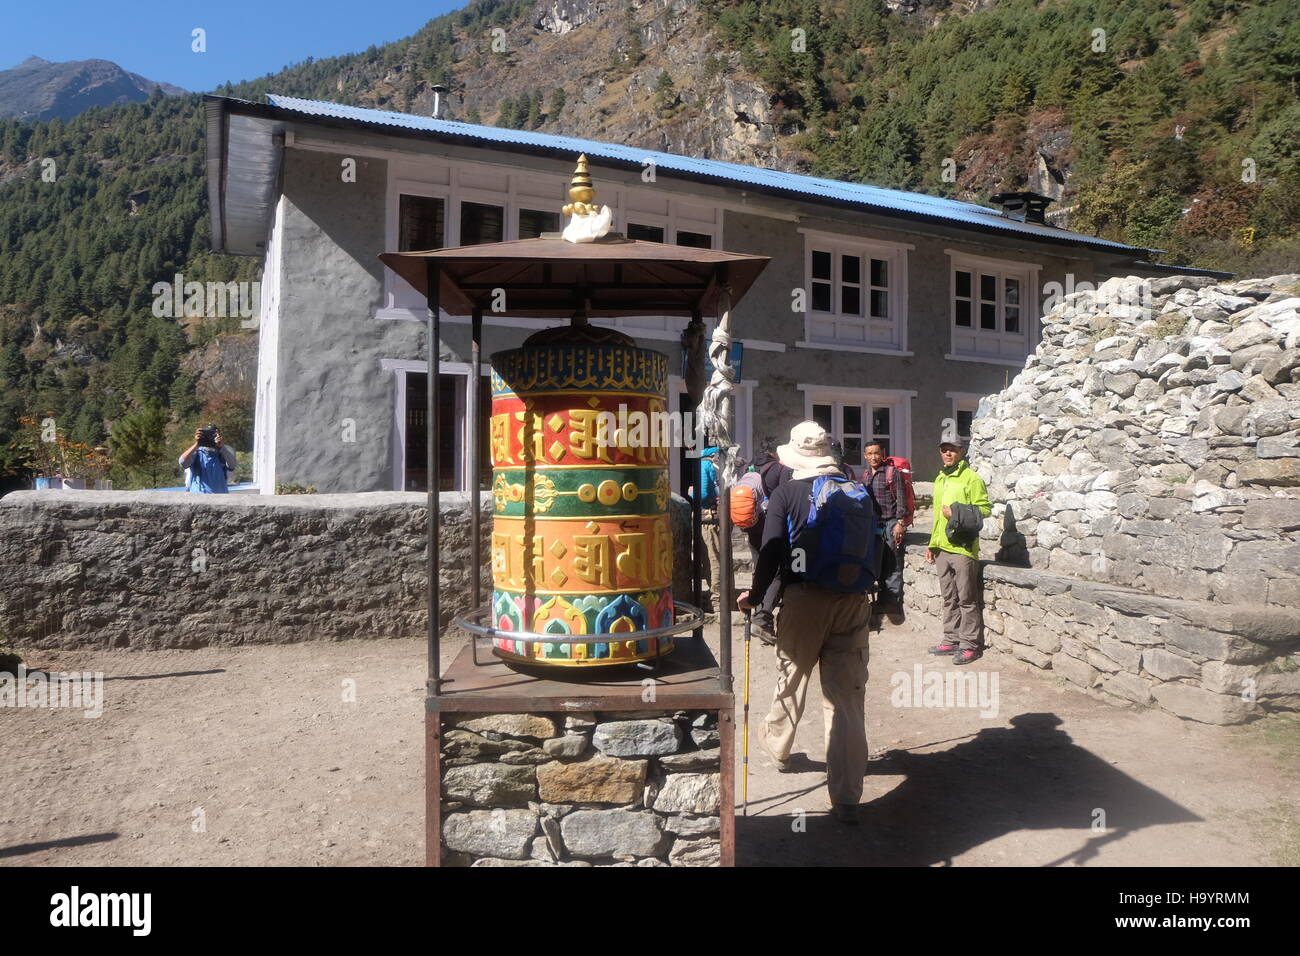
[{"x": 284, "y": 771}]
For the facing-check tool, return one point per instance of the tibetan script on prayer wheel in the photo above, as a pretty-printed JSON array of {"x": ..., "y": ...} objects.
[{"x": 581, "y": 542}]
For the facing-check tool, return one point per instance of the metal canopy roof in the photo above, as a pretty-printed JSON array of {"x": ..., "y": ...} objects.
[
  {"x": 549, "y": 277},
  {"x": 235, "y": 159}
]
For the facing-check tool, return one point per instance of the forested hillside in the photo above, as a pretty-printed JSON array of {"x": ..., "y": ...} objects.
[{"x": 1172, "y": 124}]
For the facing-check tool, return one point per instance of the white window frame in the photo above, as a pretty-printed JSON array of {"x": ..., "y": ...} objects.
[
  {"x": 893, "y": 253},
  {"x": 443, "y": 180},
  {"x": 964, "y": 402},
  {"x": 898, "y": 401},
  {"x": 399, "y": 368},
  {"x": 998, "y": 347}
]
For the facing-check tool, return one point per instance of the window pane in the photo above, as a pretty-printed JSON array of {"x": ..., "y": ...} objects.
[
  {"x": 963, "y": 283},
  {"x": 821, "y": 264},
  {"x": 480, "y": 223},
  {"x": 879, "y": 422},
  {"x": 879, "y": 305},
  {"x": 963, "y": 313},
  {"x": 1013, "y": 319},
  {"x": 534, "y": 222},
  {"x": 822, "y": 416},
  {"x": 419, "y": 223},
  {"x": 697, "y": 240},
  {"x": 853, "y": 419},
  {"x": 850, "y": 269},
  {"x": 1013, "y": 291},
  {"x": 821, "y": 296},
  {"x": 988, "y": 315},
  {"x": 963, "y": 423},
  {"x": 850, "y": 300},
  {"x": 988, "y": 287},
  {"x": 636, "y": 230},
  {"x": 853, "y": 451},
  {"x": 879, "y": 272}
]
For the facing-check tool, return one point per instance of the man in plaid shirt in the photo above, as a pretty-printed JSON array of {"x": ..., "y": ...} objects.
[{"x": 893, "y": 511}]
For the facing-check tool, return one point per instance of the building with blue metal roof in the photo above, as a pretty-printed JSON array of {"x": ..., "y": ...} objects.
[{"x": 884, "y": 314}]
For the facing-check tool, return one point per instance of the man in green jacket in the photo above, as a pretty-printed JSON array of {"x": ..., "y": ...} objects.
[{"x": 958, "y": 563}]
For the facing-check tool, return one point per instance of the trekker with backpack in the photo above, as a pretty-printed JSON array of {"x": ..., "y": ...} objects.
[
  {"x": 748, "y": 505},
  {"x": 819, "y": 535},
  {"x": 890, "y": 480},
  {"x": 961, "y": 503}
]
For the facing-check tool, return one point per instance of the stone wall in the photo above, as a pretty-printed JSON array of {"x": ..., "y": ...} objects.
[
  {"x": 1144, "y": 471},
  {"x": 166, "y": 569},
  {"x": 1214, "y": 663},
  {"x": 1157, "y": 444},
  {"x": 620, "y": 789}
]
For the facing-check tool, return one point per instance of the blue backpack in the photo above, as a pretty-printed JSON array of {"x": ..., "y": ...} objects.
[{"x": 839, "y": 539}]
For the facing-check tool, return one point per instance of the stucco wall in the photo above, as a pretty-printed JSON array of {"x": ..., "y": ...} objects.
[{"x": 331, "y": 346}]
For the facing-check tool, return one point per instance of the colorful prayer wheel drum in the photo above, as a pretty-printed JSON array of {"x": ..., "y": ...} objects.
[{"x": 581, "y": 542}]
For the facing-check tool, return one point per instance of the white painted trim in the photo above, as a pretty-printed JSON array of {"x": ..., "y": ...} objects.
[
  {"x": 762, "y": 345},
  {"x": 858, "y": 392},
  {"x": 266, "y": 414},
  {"x": 993, "y": 263},
  {"x": 1026, "y": 272},
  {"x": 851, "y": 238},
  {"x": 895, "y": 254},
  {"x": 835, "y": 347},
  {"x": 399, "y": 368},
  {"x": 983, "y": 360},
  {"x": 899, "y": 402}
]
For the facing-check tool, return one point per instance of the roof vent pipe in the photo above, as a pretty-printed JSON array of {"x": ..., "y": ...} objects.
[
  {"x": 438, "y": 90},
  {"x": 1024, "y": 206}
]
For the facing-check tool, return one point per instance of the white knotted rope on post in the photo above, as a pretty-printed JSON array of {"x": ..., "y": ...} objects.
[{"x": 715, "y": 409}]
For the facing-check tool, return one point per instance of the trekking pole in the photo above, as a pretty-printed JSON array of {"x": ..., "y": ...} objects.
[{"x": 744, "y": 787}]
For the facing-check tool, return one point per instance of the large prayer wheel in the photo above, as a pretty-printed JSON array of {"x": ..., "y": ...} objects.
[{"x": 581, "y": 542}]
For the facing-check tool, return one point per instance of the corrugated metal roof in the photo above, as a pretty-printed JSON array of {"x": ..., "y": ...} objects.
[{"x": 872, "y": 197}]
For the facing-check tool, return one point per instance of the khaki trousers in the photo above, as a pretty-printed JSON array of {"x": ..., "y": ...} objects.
[
  {"x": 821, "y": 628},
  {"x": 963, "y": 615},
  {"x": 713, "y": 576}
]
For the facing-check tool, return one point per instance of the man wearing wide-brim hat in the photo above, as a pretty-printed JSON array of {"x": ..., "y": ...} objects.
[
  {"x": 961, "y": 502},
  {"x": 815, "y": 627}
]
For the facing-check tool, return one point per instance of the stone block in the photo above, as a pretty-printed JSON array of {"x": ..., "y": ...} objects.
[
  {"x": 1220, "y": 677},
  {"x": 1275, "y": 514},
  {"x": 494, "y": 833},
  {"x": 596, "y": 834},
  {"x": 705, "y": 851},
  {"x": 489, "y": 784},
  {"x": 689, "y": 793},
  {"x": 1163, "y": 665},
  {"x": 693, "y": 760},
  {"x": 684, "y": 824},
  {"x": 1279, "y": 472},
  {"x": 1074, "y": 670},
  {"x": 1200, "y": 705},
  {"x": 637, "y": 738},
  {"x": 1199, "y": 642},
  {"x": 598, "y": 780},
  {"x": 1128, "y": 656},
  {"x": 1127, "y": 686},
  {"x": 531, "y": 726}
]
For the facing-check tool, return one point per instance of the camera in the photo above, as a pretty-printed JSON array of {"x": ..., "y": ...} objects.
[{"x": 208, "y": 436}]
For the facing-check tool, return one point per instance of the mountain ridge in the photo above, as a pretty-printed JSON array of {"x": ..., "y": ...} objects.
[{"x": 40, "y": 90}]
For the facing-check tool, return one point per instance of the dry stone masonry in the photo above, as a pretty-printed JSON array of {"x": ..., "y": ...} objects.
[
  {"x": 618, "y": 789},
  {"x": 1145, "y": 475},
  {"x": 161, "y": 569}
]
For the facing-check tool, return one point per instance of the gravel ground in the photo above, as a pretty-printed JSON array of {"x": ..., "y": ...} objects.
[{"x": 251, "y": 756}]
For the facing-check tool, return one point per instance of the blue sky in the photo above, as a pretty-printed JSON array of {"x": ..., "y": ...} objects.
[{"x": 245, "y": 38}]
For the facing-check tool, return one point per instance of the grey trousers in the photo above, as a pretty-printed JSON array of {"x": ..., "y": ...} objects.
[{"x": 963, "y": 613}]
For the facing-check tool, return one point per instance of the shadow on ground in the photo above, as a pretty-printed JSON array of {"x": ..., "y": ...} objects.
[{"x": 1030, "y": 776}]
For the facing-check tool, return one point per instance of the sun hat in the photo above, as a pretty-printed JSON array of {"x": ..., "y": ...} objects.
[{"x": 808, "y": 453}]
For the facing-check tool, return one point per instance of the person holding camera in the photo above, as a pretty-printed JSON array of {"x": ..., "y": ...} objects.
[{"x": 209, "y": 463}]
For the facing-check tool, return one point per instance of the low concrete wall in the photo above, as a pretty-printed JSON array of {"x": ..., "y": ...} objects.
[
  {"x": 167, "y": 569},
  {"x": 1210, "y": 662}
]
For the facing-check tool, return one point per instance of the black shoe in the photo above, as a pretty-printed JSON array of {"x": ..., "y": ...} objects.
[
  {"x": 967, "y": 655},
  {"x": 947, "y": 647}
]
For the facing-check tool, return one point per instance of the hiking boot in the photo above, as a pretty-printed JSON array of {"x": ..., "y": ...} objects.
[
  {"x": 764, "y": 634},
  {"x": 846, "y": 813},
  {"x": 966, "y": 655},
  {"x": 945, "y": 647},
  {"x": 895, "y": 617}
]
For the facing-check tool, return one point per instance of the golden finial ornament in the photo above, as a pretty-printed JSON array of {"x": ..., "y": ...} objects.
[{"x": 582, "y": 192}]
